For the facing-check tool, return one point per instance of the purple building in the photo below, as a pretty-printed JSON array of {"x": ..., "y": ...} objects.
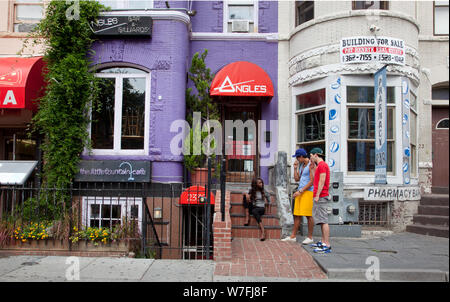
[{"x": 144, "y": 81}]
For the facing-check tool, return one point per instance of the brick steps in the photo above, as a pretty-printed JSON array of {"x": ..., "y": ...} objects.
[
  {"x": 238, "y": 208},
  {"x": 434, "y": 200},
  {"x": 433, "y": 216},
  {"x": 270, "y": 219},
  {"x": 272, "y": 232},
  {"x": 433, "y": 210},
  {"x": 431, "y": 220},
  {"x": 440, "y": 190},
  {"x": 430, "y": 230}
]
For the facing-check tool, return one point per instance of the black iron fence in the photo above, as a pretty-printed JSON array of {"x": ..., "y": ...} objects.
[{"x": 159, "y": 220}]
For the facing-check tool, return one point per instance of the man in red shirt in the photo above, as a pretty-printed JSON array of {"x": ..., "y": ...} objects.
[{"x": 321, "y": 198}]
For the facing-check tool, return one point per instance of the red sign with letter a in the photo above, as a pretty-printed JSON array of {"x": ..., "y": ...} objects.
[{"x": 12, "y": 97}]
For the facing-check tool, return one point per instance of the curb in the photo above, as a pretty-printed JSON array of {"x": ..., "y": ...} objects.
[{"x": 431, "y": 275}]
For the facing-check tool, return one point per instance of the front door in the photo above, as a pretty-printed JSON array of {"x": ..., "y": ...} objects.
[
  {"x": 440, "y": 147},
  {"x": 241, "y": 146}
]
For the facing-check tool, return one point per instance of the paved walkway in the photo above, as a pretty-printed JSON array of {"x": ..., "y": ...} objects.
[
  {"x": 401, "y": 257},
  {"x": 270, "y": 258}
]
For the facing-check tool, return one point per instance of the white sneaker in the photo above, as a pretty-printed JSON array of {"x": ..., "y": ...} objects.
[
  {"x": 307, "y": 241},
  {"x": 288, "y": 238}
]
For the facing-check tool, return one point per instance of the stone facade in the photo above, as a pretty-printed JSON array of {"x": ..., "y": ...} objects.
[{"x": 311, "y": 52}]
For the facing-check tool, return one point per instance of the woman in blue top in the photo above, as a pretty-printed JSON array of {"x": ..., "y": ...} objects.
[{"x": 304, "y": 195}]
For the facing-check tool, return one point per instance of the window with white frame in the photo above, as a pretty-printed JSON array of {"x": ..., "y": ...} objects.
[
  {"x": 441, "y": 17},
  {"x": 310, "y": 116},
  {"x": 240, "y": 15},
  {"x": 109, "y": 212},
  {"x": 443, "y": 124},
  {"x": 361, "y": 130},
  {"x": 27, "y": 14},
  {"x": 413, "y": 132},
  {"x": 119, "y": 125},
  {"x": 127, "y": 4}
]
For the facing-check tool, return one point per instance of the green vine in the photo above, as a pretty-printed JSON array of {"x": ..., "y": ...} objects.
[{"x": 71, "y": 88}]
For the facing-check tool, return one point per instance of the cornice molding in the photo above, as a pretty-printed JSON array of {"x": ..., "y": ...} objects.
[
  {"x": 354, "y": 13},
  {"x": 371, "y": 68},
  {"x": 216, "y": 36}
]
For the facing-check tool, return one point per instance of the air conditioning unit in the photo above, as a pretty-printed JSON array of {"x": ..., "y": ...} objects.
[{"x": 240, "y": 26}]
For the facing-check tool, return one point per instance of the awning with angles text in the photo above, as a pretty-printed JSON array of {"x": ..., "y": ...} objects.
[{"x": 242, "y": 78}]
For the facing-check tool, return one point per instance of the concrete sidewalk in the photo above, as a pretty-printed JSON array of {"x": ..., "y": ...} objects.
[{"x": 401, "y": 257}]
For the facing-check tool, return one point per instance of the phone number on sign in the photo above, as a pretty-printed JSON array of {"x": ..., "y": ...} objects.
[{"x": 372, "y": 57}]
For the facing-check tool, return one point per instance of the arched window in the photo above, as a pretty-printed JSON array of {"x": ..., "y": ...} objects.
[
  {"x": 118, "y": 125},
  {"x": 442, "y": 124}
]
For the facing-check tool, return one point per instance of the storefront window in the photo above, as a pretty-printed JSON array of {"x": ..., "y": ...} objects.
[
  {"x": 311, "y": 120},
  {"x": 311, "y": 99},
  {"x": 365, "y": 94},
  {"x": 119, "y": 123},
  {"x": 108, "y": 212},
  {"x": 361, "y": 129},
  {"x": 102, "y": 133}
]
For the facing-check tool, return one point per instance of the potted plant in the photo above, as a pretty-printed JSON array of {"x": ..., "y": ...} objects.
[{"x": 199, "y": 101}]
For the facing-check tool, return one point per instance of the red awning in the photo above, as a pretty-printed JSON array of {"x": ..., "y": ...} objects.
[
  {"x": 195, "y": 195},
  {"x": 21, "y": 82},
  {"x": 242, "y": 79}
]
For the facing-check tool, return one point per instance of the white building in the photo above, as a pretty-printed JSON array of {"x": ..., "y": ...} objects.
[{"x": 314, "y": 78}]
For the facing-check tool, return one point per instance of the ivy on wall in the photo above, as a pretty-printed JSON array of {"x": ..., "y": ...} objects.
[{"x": 71, "y": 90}]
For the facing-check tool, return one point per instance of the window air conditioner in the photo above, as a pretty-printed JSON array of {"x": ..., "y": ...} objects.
[{"x": 240, "y": 26}]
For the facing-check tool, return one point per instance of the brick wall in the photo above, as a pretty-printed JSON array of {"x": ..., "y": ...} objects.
[{"x": 222, "y": 230}]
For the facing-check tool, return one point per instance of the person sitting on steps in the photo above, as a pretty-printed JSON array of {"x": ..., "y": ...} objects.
[{"x": 256, "y": 202}]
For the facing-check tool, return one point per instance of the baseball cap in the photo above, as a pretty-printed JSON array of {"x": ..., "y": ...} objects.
[
  {"x": 300, "y": 152},
  {"x": 316, "y": 150}
]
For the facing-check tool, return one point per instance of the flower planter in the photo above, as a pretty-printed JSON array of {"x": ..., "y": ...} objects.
[
  {"x": 199, "y": 176},
  {"x": 38, "y": 245},
  {"x": 65, "y": 248},
  {"x": 90, "y": 246}
]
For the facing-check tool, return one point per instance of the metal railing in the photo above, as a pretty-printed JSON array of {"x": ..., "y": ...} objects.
[
  {"x": 97, "y": 212},
  {"x": 156, "y": 218}
]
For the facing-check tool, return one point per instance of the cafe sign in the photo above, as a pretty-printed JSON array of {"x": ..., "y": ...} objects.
[
  {"x": 122, "y": 26},
  {"x": 113, "y": 171}
]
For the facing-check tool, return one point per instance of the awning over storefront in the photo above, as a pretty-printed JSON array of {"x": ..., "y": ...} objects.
[
  {"x": 21, "y": 82},
  {"x": 242, "y": 79},
  {"x": 195, "y": 195},
  {"x": 16, "y": 172}
]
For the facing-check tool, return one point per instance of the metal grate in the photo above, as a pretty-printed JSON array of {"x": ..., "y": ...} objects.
[{"x": 373, "y": 213}]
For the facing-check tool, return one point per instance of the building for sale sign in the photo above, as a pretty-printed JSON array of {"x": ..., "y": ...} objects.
[{"x": 372, "y": 49}]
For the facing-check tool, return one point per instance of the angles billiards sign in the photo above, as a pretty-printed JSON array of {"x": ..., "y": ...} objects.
[{"x": 122, "y": 26}]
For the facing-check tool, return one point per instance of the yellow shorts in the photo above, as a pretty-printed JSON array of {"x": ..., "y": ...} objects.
[{"x": 304, "y": 204}]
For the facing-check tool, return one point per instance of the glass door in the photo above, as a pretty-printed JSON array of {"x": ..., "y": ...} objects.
[{"x": 241, "y": 146}]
